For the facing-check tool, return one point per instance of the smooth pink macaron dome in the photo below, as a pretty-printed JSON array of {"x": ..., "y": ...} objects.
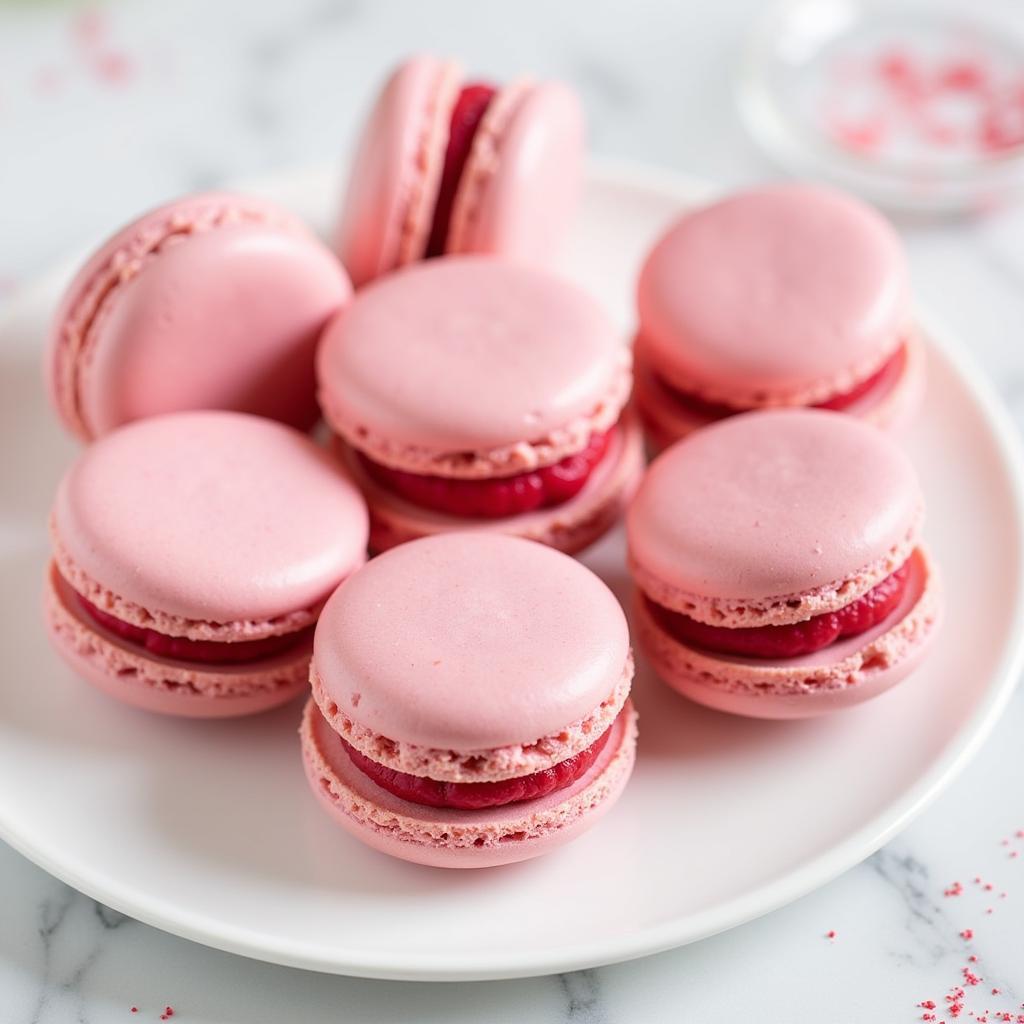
[
  {"x": 526, "y": 642},
  {"x": 209, "y": 517},
  {"x": 522, "y": 180},
  {"x": 396, "y": 171},
  {"x": 211, "y": 301},
  {"x": 770, "y": 504},
  {"x": 785, "y": 294},
  {"x": 517, "y": 190},
  {"x": 468, "y": 354}
]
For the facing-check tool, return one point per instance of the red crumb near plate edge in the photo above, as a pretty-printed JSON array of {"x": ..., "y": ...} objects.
[
  {"x": 497, "y": 497},
  {"x": 957, "y": 998},
  {"x": 794, "y": 639}
]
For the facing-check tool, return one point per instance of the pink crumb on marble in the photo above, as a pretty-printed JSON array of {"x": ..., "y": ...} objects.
[
  {"x": 88, "y": 27},
  {"x": 114, "y": 67}
]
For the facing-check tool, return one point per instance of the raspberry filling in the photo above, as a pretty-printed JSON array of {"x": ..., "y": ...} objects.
[
  {"x": 476, "y": 795},
  {"x": 467, "y": 114},
  {"x": 213, "y": 652},
  {"x": 796, "y": 638},
  {"x": 719, "y": 410},
  {"x": 497, "y": 497}
]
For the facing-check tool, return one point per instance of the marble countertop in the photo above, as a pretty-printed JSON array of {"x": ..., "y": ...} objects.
[{"x": 105, "y": 110}]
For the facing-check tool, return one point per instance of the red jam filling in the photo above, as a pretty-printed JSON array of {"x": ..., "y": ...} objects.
[
  {"x": 837, "y": 403},
  {"x": 497, "y": 497},
  {"x": 469, "y": 110},
  {"x": 475, "y": 795},
  {"x": 213, "y": 652},
  {"x": 796, "y": 638}
]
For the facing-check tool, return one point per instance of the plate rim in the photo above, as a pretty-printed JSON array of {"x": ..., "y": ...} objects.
[{"x": 754, "y": 903}]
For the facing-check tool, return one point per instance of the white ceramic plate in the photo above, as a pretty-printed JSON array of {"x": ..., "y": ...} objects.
[{"x": 207, "y": 829}]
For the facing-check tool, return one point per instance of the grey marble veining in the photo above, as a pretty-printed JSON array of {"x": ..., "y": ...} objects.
[{"x": 192, "y": 94}]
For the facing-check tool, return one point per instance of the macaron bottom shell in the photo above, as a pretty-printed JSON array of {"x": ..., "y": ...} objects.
[
  {"x": 451, "y": 838},
  {"x": 841, "y": 675},
  {"x": 890, "y": 404},
  {"x": 569, "y": 527},
  {"x": 163, "y": 685}
]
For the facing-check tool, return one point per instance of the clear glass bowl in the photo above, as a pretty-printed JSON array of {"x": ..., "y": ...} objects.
[{"x": 915, "y": 105}]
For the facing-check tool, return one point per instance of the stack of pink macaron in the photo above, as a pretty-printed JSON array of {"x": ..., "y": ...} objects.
[{"x": 469, "y": 688}]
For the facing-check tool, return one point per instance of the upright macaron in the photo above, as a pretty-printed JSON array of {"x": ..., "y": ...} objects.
[
  {"x": 786, "y": 295},
  {"x": 213, "y": 301},
  {"x": 470, "y": 392},
  {"x": 450, "y": 166},
  {"x": 470, "y": 701},
  {"x": 779, "y": 566},
  {"x": 192, "y": 554}
]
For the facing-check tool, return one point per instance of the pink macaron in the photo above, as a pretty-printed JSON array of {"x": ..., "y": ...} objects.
[
  {"x": 211, "y": 302},
  {"x": 470, "y": 701},
  {"x": 192, "y": 554},
  {"x": 449, "y": 166},
  {"x": 786, "y": 295},
  {"x": 779, "y": 566},
  {"x": 469, "y": 392}
]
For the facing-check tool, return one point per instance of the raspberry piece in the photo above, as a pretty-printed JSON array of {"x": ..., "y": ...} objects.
[
  {"x": 476, "y": 795},
  {"x": 796, "y": 638},
  {"x": 469, "y": 110},
  {"x": 214, "y": 652},
  {"x": 496, "y": 497}
]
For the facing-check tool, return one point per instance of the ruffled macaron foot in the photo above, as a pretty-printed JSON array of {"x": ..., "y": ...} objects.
[
  {"x": 470, "y": 701},
  {"x": 779, "y": 566},
  {"x": 169, "y": 686},
  {"x": 457, "y": 838},
  {"x": 445, "y": 166},
  {"x": 192, "y": 554},
  {"x": 784, "y": 296},
  {"x": 213, "y": 301},
  {"x": 570, "y": 526},
  {"x": 846, "y": 673},
  {"x": 889, "y": 400},
  {"x": 473, "y": 394}
]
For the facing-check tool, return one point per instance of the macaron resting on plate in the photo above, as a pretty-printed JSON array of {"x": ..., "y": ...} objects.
[
  {"x": 786, "y": 295},
  {"x": 192, "y": 554},
  {"x": 214, "y": 301},
  {"x": 779, "y": 566},
  {"x": 446, "y": 166},
  {"x": 472, "y": 393},
  {"x": 470, "y": 701}
]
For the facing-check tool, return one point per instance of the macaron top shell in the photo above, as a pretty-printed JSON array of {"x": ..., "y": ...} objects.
[
  {"x": 396, "y": 171},
  {"x": 785, "y": 294},
  {"x": 772, "y": 503},
  {"x": 470, "y": 642},
  {"x": 213, "y": 516},
  {"x": 214, "y": 301},
  {"x": 463, "y": 354},
  {"x": 521, "y": 183}
]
